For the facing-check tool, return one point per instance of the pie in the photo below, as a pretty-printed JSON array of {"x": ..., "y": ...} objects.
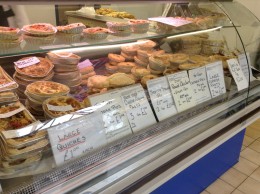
[
  {"x": 140, "y": 72},
  {"x": 61, "y": 101},
  {"x": 8, "y": 33},
  {"x": 40, "y": 29},
  {"x": 41, "y": 69},
  {"x": 64, "y": 58},
  {"x": 47, "y": 88},
  {"x": 98, "y": 81},
  {"x": 75, "y": 28},
  {"x": 120, "y": 80},
  {"x": 6, "y": 82}
]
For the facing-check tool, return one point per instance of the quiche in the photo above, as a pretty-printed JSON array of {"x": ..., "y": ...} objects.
[
  {"x": 63, "y": 58},
  {"x": 41, "y": 69},
  {"x": 10, "y": 107},
  {"x": 39, "y": 29},
  {"x": 74, "y": 28},
  {"x": 47, "y": 88},
  {"x": 6, "y": 82},
  {"x": 8, "y": 33},
  {"x": 62, "y": 105}
]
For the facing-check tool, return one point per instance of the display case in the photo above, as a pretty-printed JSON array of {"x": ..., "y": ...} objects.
[{"x": 125, "y": 97}]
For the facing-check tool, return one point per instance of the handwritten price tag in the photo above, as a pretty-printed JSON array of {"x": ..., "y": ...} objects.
[
  {"x": 215, "y": 77},
  {"x": 237, "y": 73},
  {"x": 137, "y": 107},
  {"x": 246, "y": 67},
  {"x": 113, "y": 114},
  {"x": 76, "y": 137},
  {"x": 181, "y": 90},
  {"x": 198, "y": 81},
  {"x": 27, "y": 62},
  {"x": 60, "y": 108},
  {"x": 170, "y": 21},
  {"x": 161, "y": 97}
]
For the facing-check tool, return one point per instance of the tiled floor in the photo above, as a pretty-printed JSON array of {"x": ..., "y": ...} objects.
[{"x": 244, "y": 177}]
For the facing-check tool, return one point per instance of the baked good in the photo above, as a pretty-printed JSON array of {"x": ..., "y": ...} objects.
[
  {"x": 178, "y": 58},
  {"x": 198, "y": 59},
  {"x": 88, "y": 75},
  {"x": 159, "y": 62},
  {"x": 6, "y": 82},
  {"x": 86, "y": 70},
  {"x": 118, "y": 26},
  {"x": 41, "y": 69},
  {"x": 125, "y": 67},
  {"x": 120, "y": 80},
  {"x": 39, "y": 29},
  {"x": 170, "y": 71},
  {"x": 154, "y": 72},
  {"x": 60, "y": 105},
  {"x": 130, "y": 49},
  {"x": 191, "y": 40},
  {"x": 146, "y": 44},
  {"x": 187, "y": 66},
  {"x": 63, "y": 58},
  {"x": 111, "y": 68},
  {"x": 115, "y": 58},
  {"x": 140, "y": 63},
  {"x": 98, "y": 81},
  {"x": 74, "y": 28},
  {"x": 127, "y": 57},
  {"x": 139, "y": 26},
  {"x": 140, "y": 72},
  {"x": 192, "y": 50},
  {"x": 96, "y": 33},
  {"x": 146, "y": 78},
  {"x": 96, "y": 90},
  {"x": 220, "y": 58},
  {"x": 7, "y": 33}
]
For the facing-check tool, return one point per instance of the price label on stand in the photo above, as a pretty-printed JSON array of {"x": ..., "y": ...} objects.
[
  {"x": 76, "y": 137},
  {"x": 161, "y": 97},
  {"x": 215, "y": 77},
  {"x": 198, "y": 81},
  {"x": 237, "y": 73},
  {"x": 181, "y": 90},
  {"x": 246, "y": 67},
  {"x": 27, "y": 62},
  {"x": 113, "y": 114},
  {"x": 137, "y": 107}
]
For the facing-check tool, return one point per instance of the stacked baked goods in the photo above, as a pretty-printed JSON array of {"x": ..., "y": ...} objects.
[
  {"x": 39, "y": 91},
  {"x": 113, "y": 13},
  {"x": 119, "y": 28},
  {"x": 139, "y": 26},
  {"x": 39, "y": 33},
  {"x": 96, "y": 33},
  {"x": 211, "y": 47},
  {"x": 60, "y": 105},
  {"x": 9, "y": 37},
  {"x": 7, "y": 87},
  {"x": 114, "y": 60},
  {"x": 21, "y": 149},
  {"x": 86, "y": 73},
  {"x": 71, "y": 32},
  {"x": 66, "y": 69},
  {"x": 42, "y": 70},
  {"x": 191, "y": 45}
]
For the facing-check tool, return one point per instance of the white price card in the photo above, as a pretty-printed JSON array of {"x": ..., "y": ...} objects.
[
  {"x": 170, "y": 21},
  {"x": 246, "y": 67},
  {"x": 181, "y": 90},
  {"x": 161, "y": 97},
  {"x": 60, "y": 108},
  {"x": 215, "y": 77},
  {"x": 7, "y": 84},
  {"x": 137, "y": 107},
  {"x": 76, "y": 137},
  {"x": 113, "y": 114},
  {"x": 27, "y": 62},
  {"x": 199, "y": 84},
  {"x": 237, "y": 73}
]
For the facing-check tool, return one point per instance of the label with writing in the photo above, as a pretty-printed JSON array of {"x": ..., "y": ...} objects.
[
  {"x": 170, "y": 21},
  {"x": 113, "y": 114},
  {"x": 246, "y": 67},
  {"x": 137, "y": 107},
  {"x": 237, "y": 73},
  {"x": 161, "y": 97},
  {"x": 76, "y": 137},
  {"x": 59, "y": 108},
  {"x": 7, "y": 84},
  {"x": 181, "y": 90},
  {"x": 215, "y": 77},
  {"x": 27, "y": 62},
  {"x": 199, "y": 84}
]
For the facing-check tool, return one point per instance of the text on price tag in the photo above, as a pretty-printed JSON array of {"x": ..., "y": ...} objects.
[
  {"x": 27, "y": 62},
  {"x": 246, "y": 67},
  {"x": 60, "y": 108}
]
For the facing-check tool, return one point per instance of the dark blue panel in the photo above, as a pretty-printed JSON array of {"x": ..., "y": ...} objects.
[{"x": 202, "y": 173}]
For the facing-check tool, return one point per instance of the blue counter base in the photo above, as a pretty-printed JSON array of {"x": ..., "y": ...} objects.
[{"x": 205, "y": 171}]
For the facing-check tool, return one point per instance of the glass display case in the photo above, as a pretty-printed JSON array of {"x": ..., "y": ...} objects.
[{"x": 108, "y": 97}]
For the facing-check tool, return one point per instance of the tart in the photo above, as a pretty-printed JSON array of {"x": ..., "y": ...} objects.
[
  {"x": 8, "y": 33},
  {"x": 96, "y": 33},
  {"x": 125, "y": 67},
  {"x": 118, "y": 26},
  {"x": 75, "y": 28},
  {"x": 139, "y": 26},
  {"x": 120, "y": 80},
  {"x": 6, "y": 82},
  {"x": 130, "y": 50},
  {"x": 146, "y": 44},
  {"x": 63, "y": 58},
  {"x": 47, "y": 88},
  {"x": 41, "y": 69},
  {"x": 39, "y": 29},
  {"x": 179, "y": 58},
  {"x": 60, "y": 105},
  {"x": 160, "y": 62},
  {"x": 127, "y": 57},
  {"x": 140, "y": 72},
  {"x": 115, "y": 58}
]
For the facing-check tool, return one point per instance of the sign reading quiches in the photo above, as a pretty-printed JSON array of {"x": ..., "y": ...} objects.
[
  {"x": 246, "y": 67},
  {"x": 199, "y": 84},
  {"x": 237, "y": 73},
  {"x": 215, "y": 77},
  {"x": 161, "y": 97},
  {"x": 27, "y": 62},
  {"x": 181, "y": 90},
  {"x": 137, "y": 108},
  {"x": 76, "y": 137}
]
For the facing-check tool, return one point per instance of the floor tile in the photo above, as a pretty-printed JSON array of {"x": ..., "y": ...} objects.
[
  {"x": 251, "y": 155},
  {"x": 233, "y": 177},
  {"x": 250, "y": 186},
  {"x": 253, "y": 133},
  {"x": 245, "y": 166},
  {"x": 242, "y": 148},
  {"x": 256, "y": 174},
  {"x": 247, "y": 140},
  {"x": 204, "y": 192},
  {"x": 220, "y": 187},
  {"x": 255, "y": 146},
  {"x": 237, "y": 192}
]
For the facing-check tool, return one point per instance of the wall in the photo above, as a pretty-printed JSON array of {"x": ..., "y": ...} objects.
[{"x": 252, "y": 5}]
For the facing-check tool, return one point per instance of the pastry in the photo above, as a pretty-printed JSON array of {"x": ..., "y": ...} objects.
[
  {"x": 146, "y": 44},
  {"x": 140, "y": 72},
  {"x": 125, "y": 67},
  {"x": 96, "y": 33},
  {"x": 74, "y": 28},
  {"x": 38, "y": 40},
  {"x": 198, "y": 59},
  {"x": 6, "y": 82},
  {"x": 146, "y": 78},
  {"x": 88, "y": 75},
  {"x": 170, "y": 71},
  {"x": 154, "y": 72},
  {"x": 39, "y": 29},
  {"x": 120, "y": 80},
  {"x": 111, "y": 68},
  {"x": 86, "y": 70},
  {"x": 63, "y": 58},
  {"x": 41, "y": 69},
  {"x": 139, "y": 26},
  {"x": 96, "y": 90},
  {"x": 130, "y": 50},
  {"x": 118, "y": 26},
  {"x": 127, "y": 57},
  {"x": 115, "y": 58},
  {"x": 7, "y": 33},
  {"x": 160, "y": 62},
  {"x": 191, "y": 40},
  {"x": 187, "y": 66},
  {"x": 98, "y": 81},
  {"x": 178, "y": 58},
  {"x": 139, "y": 62},
  {"x": 216, "y": 43},
  {"x": 192, "y": 51}
]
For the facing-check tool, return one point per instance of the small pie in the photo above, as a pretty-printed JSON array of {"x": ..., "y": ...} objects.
[
  {"x": 8, "y": 33},
  {"x": 75, "y": 28},
  {"x": 63, "y": 58},
  {"x": 6, "y": 82},
  {"x": 41, "y": 69},
  {"x": 39, "y": 29},
  {"x": 120, "y": 80},
  {"x": 47, "y": 88},
  {"x": 98, "y": 81}
]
